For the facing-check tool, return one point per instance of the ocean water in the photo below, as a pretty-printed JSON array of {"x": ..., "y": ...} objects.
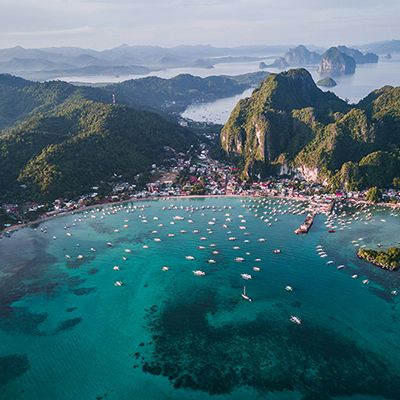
[
  {"x": 367, "y": 78},
  {"x": 66, "y": 332}
]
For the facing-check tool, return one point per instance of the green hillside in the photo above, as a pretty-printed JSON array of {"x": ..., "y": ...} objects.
[
  {"x": 66, "y": 151},
  {"x": 290, "y": 121}
]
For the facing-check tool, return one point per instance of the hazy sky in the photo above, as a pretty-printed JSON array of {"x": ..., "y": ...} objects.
[{"x": 106, "y": 23}]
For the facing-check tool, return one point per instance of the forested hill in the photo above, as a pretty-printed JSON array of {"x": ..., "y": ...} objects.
[
  {"x": 19, "y": 97},
  {"x": 290, "y": 122},
  {"x": 80, "y": 143}
]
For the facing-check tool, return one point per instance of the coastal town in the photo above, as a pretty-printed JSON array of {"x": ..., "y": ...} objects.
[{"x": 187, "y": 175}]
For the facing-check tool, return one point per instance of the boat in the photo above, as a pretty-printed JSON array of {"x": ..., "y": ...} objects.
[
  {"x": 199, "y": 273},
  {"x": 211, "y": 261},
  {"x": 277, "y": 251},
  {"x": 295, "y": 320},
  {"x": 246, "y": 276},
  {"x": 365, "y": 281},
  {"x": 165, "y": 268},
  {"x": 116, "y": 268},
  {"x": 118, "y": 283},
  {"x": 355, "y": 276},
  {"x": 289, "y": 288},
  {"x": 239, "y": 259},
  {"x": 256, "y": 269},
  {"x": 245, "y": 296},
  {"x": 189, "y": 258}
]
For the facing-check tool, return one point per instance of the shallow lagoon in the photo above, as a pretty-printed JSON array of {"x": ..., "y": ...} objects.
[{"x": 67, "y": 332}]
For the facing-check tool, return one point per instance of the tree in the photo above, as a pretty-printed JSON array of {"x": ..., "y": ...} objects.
[
  {"x": 374, "y": 195},
  {"x": 396, "y": 183}
]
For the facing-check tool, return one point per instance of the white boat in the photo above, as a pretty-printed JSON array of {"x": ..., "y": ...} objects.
[
  {"x": 165, "y": 268},
  {"x": 246, "y": 276},
  {"x": 211, "y": 261},
  {"x": 189, "y": 258},
  {"x": 295, "y": 320},
  {"x": 80, "y": 257},
  {"x": 277, "y": 251},
  {"x": 289, "y": 288},
  {"x": 239, "y": 259},
  {"x": 365, "y": 281},
  {"x": 244, "y": 295},
  {"x": 256, "y": 269},
  {"x": 116, "y": 268},
  {"x": 93, "y": 249},
  {"x": 393, "y": 292},
  {"x": 118, "y": 283},
  {"x": 199, "y": 273},
  {"x": 355, "y": 276}
]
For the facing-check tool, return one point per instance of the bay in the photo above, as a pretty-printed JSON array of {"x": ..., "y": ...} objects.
[{"x": 67, "y": 332}]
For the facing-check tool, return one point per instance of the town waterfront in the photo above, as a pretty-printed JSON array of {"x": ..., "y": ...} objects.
[{"x": 68, "y": 332}]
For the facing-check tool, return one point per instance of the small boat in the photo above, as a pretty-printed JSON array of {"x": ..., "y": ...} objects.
[
  {"x": 340, "y": 267},
  {"x": 355, "y": 276},
  {"x": 165, "y": 268},
  {"x": 116, "y": 268},
  {"x": 118, "y": 283},
  {"x": 145, "y": 246},
  {"x": 393, "y": 292},
  {"x": 93, "y": 249},
  {"x": 211, "y": 261},
  {"x": 80, "y": 257},
  {"x": 256, "y": 269},
  {"x": 189, "y": 258},
  {"x": 295, "y": 320},
  {"x": 365, "y": 281},
  {"x": 199, "y": 273},
  {"x": 128, "y": 251},
  {"x": 246, "y": 276},
  {"x": 245, "y": 296},
  {"x": 277, "y": 251},
  {"x": 239, "y": 259},
  {"x": 289, "y": 288},
  {"x": 109, "y": 244}
]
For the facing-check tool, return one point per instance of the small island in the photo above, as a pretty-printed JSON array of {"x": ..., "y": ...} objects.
[
  {"x": 386, "y": 259},
  {"x": 327, "y": 82}
]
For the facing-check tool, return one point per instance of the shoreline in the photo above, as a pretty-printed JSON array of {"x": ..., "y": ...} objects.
[{"x": 40, "y": 220}]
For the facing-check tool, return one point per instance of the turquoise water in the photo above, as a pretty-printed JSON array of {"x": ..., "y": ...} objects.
[{"x": 66, "y": 332}]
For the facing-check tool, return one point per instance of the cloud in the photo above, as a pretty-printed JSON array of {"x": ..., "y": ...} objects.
[{"x": 105, "y": 23}]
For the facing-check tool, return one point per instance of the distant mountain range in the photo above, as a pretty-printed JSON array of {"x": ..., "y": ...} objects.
[
  {"x": 50, "y": 63},
  {"x": 290, "y": 124}
]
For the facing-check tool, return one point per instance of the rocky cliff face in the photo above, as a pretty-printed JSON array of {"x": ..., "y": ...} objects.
[
  {"x": 359, "y": 57},
  {"x": 290, "y": 124},
  {"x": 301, "y": 56},
  {"x": 334, "y": 62}
]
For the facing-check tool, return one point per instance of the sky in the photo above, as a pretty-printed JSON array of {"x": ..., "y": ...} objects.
[{"x": 101, "y": 24}]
